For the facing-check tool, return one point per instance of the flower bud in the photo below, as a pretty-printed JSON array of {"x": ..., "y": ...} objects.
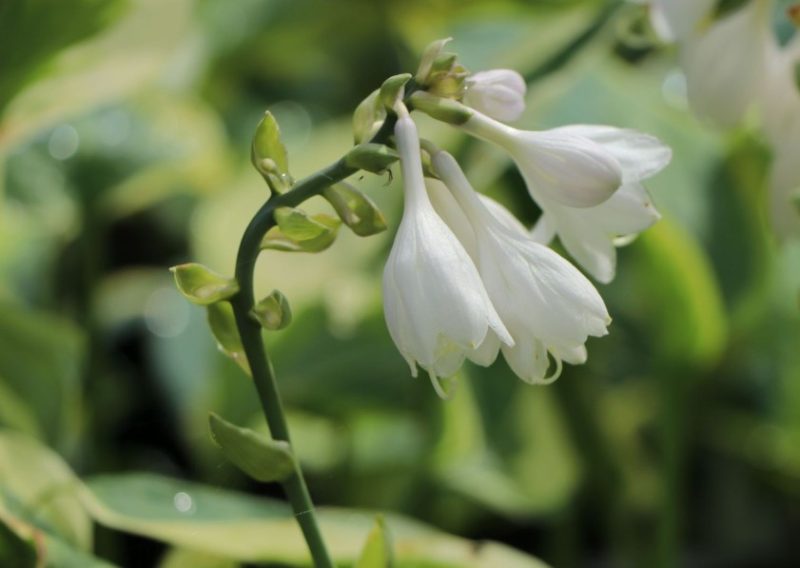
[{"x": 499, "y": 93}]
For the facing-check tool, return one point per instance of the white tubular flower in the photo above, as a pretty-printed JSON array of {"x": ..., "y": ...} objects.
[
  {"x": 590, "y": 234},
  {"x": 675, "y": 20},
  {"x": 499, "y": 93},
  {"x": 565, "y": 167},
  {"x": 725, "y": 65},
  {"x": 435, "y": 303},
  {"x": 546, "y": 304}
]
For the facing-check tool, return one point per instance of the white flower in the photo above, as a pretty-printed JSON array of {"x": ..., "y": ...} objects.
[
  {"x": 587, "y": 225},
  {"x": 546, "y": 304},
  {"x": 499, "y": 93},
  {"x": 590, "y": 234},
  {"x": 678, "y": 19},
  {"x": 562, "y": 166},
  {"x": 780, "y": 108},
  {"x": 435, "y": 303},
  {"x": 725, "y": 65}
]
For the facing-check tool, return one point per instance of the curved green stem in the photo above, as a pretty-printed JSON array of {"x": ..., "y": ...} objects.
[{"x": 250, "y": 333}]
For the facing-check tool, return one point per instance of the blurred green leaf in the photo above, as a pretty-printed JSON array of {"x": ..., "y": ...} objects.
[
  {"x": 201, "y": 285},
  {"x": 183, "y": 558},
  {"x": 377, "y": 552},
  {"x": 253, "y": 529},
  {"x": 33, "y": 32},
  {"x": 15, "y": 550},
  {"x": 41, "y": 358},
  {"x": 687, "y": 323},
  {"x": 261, "y": 458},
  {"x": 16, "y": 414},
  {"x": 37, "y": 487},
  {"x": 123, "y": 59}
]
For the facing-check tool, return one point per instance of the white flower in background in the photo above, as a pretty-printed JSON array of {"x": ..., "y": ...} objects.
[
  {"x": 599, "y": 170},
  {"x": 591, "y": 234},
  {"x": 561, "y": 166},
  {"x": 435, "y": 304},
  {"x": 499, "y": 93},
  {"x": 675, "y": 20},
  {"x": 780, "y": 109},
  {"x": 726, "y": 63},
  {"x": 546, "y": 304}
]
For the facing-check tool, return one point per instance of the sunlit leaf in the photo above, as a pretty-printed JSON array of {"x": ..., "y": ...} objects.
[
  {"x": 377, "y": 552},
  {"x": 201, "y": 285},
  {"x": 273, "y": 312},
  {"x": 223, "y": 326}
]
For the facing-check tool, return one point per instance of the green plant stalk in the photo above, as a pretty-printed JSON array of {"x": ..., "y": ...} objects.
[{"x": 250, "y": 333}]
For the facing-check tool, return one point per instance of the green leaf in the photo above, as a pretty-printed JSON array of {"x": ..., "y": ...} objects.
[
  {"x": 689, "y": 321},
  {"x": 375, "y": 158},
  {"x": 299, "y": 232},
  {"x": 33, "y": 32},
  {"x": 446, "y": 110},
  {"x": 261, "y": 458},
  {"x": 253, "y": 529},
  {"x": 202, "y": 286},
  {"x": 377, "y": 552},
  {"x": 16, "y": 550},
  {"x": 355, "y": 209},
  {"x": 128, "y": 56},
  {"x": 39, "y": 489},
  {"x": 368, "y": 117},
  {"x": 41, "y": 360},
  {"x": 183, "y": 558},
  {"x": 273, "y": 312},
  {"x": 268, "y": 154},
  {"x": 223, "y": 326}
]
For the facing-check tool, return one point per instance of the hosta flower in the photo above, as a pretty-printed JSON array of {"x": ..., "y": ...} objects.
[
  {"x": 780, "y": 108},
  {"x": 436, "y": 306},
  {"x": 499, "y": 93},
  {"x": 546, "y": 304},
  {"x": 679, "y": 19},
  {"x": 599, "y": 211},
  {"x": 725, "y": 64},
  {"x": 562, "y": 166},
  {"x": 591, "y": 234}
]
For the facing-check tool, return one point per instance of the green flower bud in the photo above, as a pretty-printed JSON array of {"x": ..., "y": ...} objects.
[
  {"x": 202, "y": 286},
  {"x": 368, "y": 117},
  {"x": 223, "y": 326},
  {"x": 429, "y": 57},
  {"x": 261, "y": 458},
  {"x": 393, "y": 88},
  {"x": 355, "y": 209},
  {"x": 446, "y": 110},
  {"x": 299, "y": 232},
  {"x": 273, "y": 312},
  {"x": 268, "y": 154},
  {"x": 374, "y": 158}
]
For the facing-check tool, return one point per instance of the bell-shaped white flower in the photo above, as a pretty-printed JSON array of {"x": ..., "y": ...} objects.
[
  {"x": 499, "y": 93},
  {"x": 435, "y": 304},
  {"x": 590, "y": 234},
  {"x": 725, "y": 64},
  {"x": 675, "y": 20},
  {"x": 562, "y": 166},
  {"x": 546, "y": 304}
]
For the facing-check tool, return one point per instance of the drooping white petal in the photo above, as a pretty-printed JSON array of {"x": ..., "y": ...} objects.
[
  {"x": 542, "y": 299},
  {"x": 725, "y": 66},
  {"x": 561, "y": 166},
  {"x": 435, "y": 304},
  {"x": 678, "y": 19},
  {"x": 640, "y": 155},
  {"x": 499, "y": 93}
]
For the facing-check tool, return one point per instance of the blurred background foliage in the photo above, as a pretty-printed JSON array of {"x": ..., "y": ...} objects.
[{"x": 124, "y": 138}]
